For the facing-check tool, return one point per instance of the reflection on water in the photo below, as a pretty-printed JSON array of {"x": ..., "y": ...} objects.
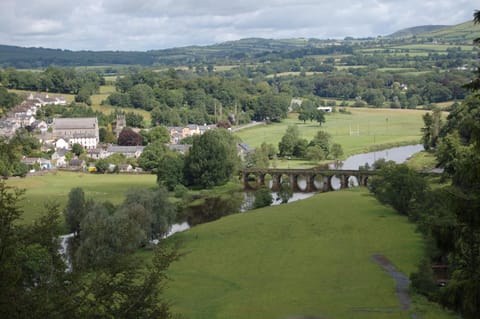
[
  {"x": 396, "y": 154},
  {"x": 295, "y": 197},
  {"x": 176, "y": 228}
]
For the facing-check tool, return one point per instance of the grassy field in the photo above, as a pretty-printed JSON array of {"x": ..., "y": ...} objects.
[
  {"x": 56, "y": 187},
  {"x": 376, "y": 127},
  {"x": 310, "y": 257}
]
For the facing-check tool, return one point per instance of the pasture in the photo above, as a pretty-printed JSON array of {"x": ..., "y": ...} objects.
[
  {"x": 307, "y": 258},
  {"x": 56, "y": 186},
  {"x": 363, "y": 130}
]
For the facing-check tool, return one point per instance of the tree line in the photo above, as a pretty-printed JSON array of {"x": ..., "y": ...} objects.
[
  {"x": 182, "y": 97},
  {"x": 445, "y": 210},
  {"x": 55, "y": 80}
]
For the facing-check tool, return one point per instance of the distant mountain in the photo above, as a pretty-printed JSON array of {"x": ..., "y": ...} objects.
[
  {"x": 250, "y": 50},
  {"x": 21, "y": 57},
  {"x": 460, "y": 33},
  {"x": 244, "y": 50},
  {"x": 410, "y": 32}
]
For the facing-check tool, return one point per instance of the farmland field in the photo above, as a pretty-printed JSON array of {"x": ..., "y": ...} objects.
[
  {"x": 56, "y": 186},
  {"x": 375, "y": 128},
  {"x": 311, "y": 257}
]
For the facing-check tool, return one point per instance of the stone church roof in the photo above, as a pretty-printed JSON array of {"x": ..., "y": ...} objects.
[{"x": 75, "y": 123}]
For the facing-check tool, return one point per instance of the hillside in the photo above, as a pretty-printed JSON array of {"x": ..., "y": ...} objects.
[
  {"x": 241, "y": 50},
  {"x": 308, "y": 258},
  {"x": 460, "y": 33},
  {"x": 250, "y": 50},
  {"x": 410, "y": 32}
]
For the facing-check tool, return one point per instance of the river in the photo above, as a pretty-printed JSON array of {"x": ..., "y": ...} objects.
[{"x": 396, "y": 154}]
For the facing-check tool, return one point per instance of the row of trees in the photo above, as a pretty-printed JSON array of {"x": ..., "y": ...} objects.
[
  {"x": 383, "y": 89},
  {"x": 181, "y": 97},
  {"x": 319, "y": 148},
  {"x": 53, "y": 79},
  {"x": 447, "y": 215},
  {"x": 103, "y": 231}
]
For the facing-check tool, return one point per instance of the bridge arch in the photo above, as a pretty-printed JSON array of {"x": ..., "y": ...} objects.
[{"x": 304, "y": 180}]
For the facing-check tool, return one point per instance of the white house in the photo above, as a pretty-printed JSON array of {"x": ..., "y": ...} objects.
[{"x": 61, "y": 144}]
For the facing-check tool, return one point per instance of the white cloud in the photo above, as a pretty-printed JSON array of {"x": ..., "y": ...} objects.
[{"x": 156, "y": 24}]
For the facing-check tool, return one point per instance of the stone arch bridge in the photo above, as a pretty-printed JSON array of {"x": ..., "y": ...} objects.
[{"x": 303, "y": 180}]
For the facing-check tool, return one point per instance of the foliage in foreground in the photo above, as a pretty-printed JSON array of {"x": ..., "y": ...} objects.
[
  {"x": 446, "y": 215},
  {"x": 35, "y": 283}
]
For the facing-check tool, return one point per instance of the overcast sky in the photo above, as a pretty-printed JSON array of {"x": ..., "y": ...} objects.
[{"x": 158, "y": 24}]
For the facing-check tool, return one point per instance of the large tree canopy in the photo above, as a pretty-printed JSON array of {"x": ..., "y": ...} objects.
[{"x": 212, "y": 159}]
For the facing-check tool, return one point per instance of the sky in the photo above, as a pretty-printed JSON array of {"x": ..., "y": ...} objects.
[{"x": 140, "y": 25}]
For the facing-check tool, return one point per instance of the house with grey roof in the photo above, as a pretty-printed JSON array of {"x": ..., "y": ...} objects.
[{"x": 128, "y": 151}]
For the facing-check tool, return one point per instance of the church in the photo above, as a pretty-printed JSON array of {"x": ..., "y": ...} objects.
[{"x": 82, "y": 130}]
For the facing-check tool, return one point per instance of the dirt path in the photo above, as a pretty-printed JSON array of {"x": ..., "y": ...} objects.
[{"x": 401, "y": 280}]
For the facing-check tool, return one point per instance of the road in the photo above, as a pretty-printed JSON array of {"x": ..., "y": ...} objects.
[{"x": 241, "y": 127}]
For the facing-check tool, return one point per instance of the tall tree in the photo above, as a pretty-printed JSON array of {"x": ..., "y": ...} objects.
[
  {"x": 106, "y": 238},
  {"x": 289, "y": 140},
  {"x": 212, "y": 159},
  {"x": 322, "y": 139},
  {"x": 76, "y": 209},
  {"x": 170, "y": 170},
  {"x": 431, "y": 130}
]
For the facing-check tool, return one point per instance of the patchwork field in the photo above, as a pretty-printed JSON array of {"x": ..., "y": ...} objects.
[{"x": 308, "y": 258}]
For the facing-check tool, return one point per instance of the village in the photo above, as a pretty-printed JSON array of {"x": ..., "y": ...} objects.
[{"x": 59, "y": 135}]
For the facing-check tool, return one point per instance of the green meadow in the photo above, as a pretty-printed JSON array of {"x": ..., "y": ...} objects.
[
  {"x": 363, "y": 130},
  {"x": 56, "y": 186},
  {"x": 306, "y": 258}
]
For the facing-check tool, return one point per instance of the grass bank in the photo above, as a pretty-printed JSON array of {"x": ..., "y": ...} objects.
[{"x": 310, "y": 257}]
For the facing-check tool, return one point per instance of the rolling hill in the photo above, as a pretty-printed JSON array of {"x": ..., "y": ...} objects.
[
  {"x": 460, "y": 33},
  {"x": 410, "y": 32},
  {"x": 250, "y": 50}
]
